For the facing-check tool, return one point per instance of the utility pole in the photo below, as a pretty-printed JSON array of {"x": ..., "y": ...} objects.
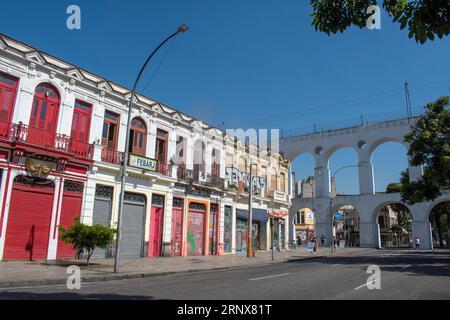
[
  {"x": 123, "y": 173},
  {"x": 273, "y": 225},
  {"x": 332, "y": 224},
  {"x": 249, "y": 226}
]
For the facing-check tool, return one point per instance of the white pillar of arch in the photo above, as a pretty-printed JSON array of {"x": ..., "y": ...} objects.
[
  {"x": 365, "y": 170},
  {"x": 322, "y": 178}
]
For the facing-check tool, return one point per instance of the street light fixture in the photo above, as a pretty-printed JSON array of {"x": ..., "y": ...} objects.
[{"x": 181, "y": 29}]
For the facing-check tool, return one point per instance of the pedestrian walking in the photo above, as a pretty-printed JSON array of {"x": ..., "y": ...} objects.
[
  {"x": 322, "y": 240},
  {"x": 417, "y": 242},
  {"x": 314, "y": 242}
]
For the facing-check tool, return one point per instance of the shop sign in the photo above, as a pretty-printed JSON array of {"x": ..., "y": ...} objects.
[
  {"x": 144, "y": 163},
  {"x": 281, "y": 196},
  {"x": 278, "y": 214},
  {"x": 309, "y": 217}
]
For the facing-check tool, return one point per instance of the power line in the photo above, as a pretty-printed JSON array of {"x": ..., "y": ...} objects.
[
  {"x": 324, "y": 108},
  {"x": 160, "y": 64}
]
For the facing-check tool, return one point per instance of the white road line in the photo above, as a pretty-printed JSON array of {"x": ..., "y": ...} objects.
[
  {"x": 362, "y": 286},
  {"x": 272, "y": 276}
]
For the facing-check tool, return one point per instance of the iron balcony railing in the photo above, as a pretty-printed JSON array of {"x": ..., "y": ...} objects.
[
  {"x": 25, "y": 134},
  {"x": 112, "y": 156},
  {"x": 200, "y": 177}
]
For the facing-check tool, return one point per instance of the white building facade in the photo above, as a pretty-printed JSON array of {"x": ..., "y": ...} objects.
[{"x": 62, "y": 141}]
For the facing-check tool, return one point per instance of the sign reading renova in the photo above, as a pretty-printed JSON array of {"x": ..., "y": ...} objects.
[{"x": 144, "y": 163}]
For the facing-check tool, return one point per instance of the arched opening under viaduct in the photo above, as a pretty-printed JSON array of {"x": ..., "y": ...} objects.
[
  {"x": 394, "y": 225},
  {"x": 388, "y": 159},
  {"x": 347, "y": 228},
  {"x": 440, "y": 224},
  {"x": 303, "y": 167},
  {"x": 304, "y": 224},
  {"x": 344, "y": 177}
]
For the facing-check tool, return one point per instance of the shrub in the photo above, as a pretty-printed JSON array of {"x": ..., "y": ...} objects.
[{"x": 86, "y": 238}]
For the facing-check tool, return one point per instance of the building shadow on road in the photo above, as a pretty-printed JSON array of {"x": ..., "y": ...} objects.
[
  {"x": 413, "y": 264},
  {"x": 16, "y": 295}
]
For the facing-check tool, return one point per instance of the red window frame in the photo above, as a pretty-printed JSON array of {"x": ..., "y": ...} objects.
[
  {"x": 85, "y": 108},
  {"x": 109, "y": 122},
  {"x": 45, "y": 109},
  {"x": 6, "y": 87},
  {"x": 161, "y": 140},
  {"x": 138, "y": 134}
]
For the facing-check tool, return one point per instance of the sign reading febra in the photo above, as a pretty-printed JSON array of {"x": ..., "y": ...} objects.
[{"x": 142, "y": 163}]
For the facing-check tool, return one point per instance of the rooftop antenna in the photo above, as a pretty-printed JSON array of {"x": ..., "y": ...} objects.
[{"x": 408, "y": 102}]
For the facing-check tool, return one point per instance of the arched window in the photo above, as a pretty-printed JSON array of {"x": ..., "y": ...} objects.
[
  {"x": 44, "y": 114},
  {"x": 138, "y": 136}
]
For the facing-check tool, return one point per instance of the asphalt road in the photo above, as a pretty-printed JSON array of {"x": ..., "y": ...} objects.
[{"x": 403, "y": 276}]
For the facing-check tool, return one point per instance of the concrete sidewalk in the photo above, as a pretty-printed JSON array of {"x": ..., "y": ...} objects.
[{"x": 30, "y": 273}]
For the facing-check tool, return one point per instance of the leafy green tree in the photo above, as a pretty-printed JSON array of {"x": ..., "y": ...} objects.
[
  {"x": 440, "y": 219},
  {"x": 86, "y": 238},
  {"x": 429, "y": 143},
  {"x": 425, "y": 19}
]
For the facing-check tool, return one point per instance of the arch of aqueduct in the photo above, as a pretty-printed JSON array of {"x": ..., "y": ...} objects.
[{"x": 364, "y": 140}]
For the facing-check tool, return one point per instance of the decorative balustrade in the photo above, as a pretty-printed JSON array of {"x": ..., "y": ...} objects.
[
  {"x": 164, "y": 169},
  {"x": 200, "y": 177},
  {"x": 112, "y": 156},
  {"x": 22, "y": 133}
]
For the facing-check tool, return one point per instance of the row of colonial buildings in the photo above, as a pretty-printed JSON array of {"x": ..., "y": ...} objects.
[{"x": 62, "y": 141}]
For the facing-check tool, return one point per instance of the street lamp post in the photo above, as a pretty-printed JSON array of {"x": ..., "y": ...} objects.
[
  {"x": 273, "y": 225},
  {"x": 250, "y": 213},
  {"x": 180, "y": 29}
]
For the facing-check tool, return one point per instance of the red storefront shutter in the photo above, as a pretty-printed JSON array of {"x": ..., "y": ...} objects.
[
  {"x": 28, "y": 230},
  {"x": 70, "y": 209},
  {"x": 177, "y": 226},
  {"x": 196, "y": 229},
  {"x": 156, "y": 226}
]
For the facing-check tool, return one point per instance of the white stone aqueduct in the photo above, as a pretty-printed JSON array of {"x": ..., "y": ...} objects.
[{"x": 364, "y": 140}]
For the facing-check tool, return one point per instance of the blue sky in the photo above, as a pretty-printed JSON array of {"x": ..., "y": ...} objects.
[{"x": 253, "y": 63}]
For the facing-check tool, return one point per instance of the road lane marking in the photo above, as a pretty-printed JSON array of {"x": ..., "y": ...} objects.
[
  {"x": 364, "y": 285},
  {"x": 272, "y": 276}
]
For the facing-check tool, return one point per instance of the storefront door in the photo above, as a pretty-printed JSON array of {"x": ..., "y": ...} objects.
[
  {"x": 156, "y": 226},
  {"x": 177, "y": 226},
  {"x": 196, "y": 229}
]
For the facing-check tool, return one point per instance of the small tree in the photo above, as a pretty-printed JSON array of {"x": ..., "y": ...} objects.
[{"x": 86, "y": 238}]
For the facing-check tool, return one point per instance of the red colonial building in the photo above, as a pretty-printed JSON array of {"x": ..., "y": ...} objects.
[{"x": 45, "y": 156}]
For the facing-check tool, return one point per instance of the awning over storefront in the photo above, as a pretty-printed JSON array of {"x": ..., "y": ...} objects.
[
  {"x": 257, "y": 214},
  {"x": 278, "y": 214}
]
